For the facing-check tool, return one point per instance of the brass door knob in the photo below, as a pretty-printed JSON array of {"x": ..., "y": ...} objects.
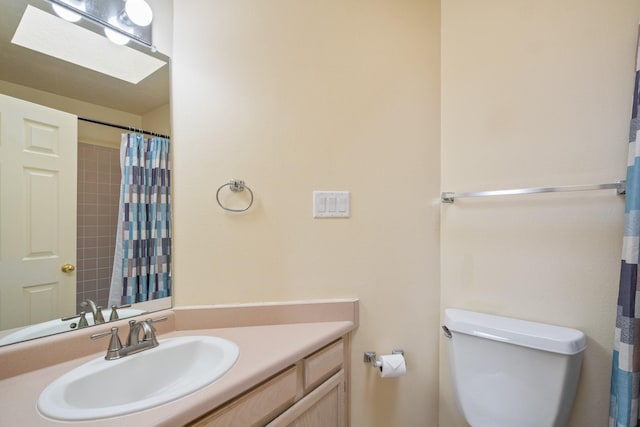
[{"x": 68, "y": 268}]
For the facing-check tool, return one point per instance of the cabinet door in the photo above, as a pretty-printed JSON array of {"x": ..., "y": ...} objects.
[{"x": 323, "y": 407}]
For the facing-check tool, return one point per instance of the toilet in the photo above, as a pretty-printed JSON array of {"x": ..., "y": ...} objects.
[{"x": 508, "y": 372}]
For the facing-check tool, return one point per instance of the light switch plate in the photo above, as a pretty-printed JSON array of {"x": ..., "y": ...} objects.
[{"x": 331, "y": 204}]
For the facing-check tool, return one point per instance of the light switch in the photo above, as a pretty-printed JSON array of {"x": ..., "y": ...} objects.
[{"x": 331, "y": 204}]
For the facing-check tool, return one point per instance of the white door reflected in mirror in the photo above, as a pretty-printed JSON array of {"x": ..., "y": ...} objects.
[{"x": 38, "y": 157}]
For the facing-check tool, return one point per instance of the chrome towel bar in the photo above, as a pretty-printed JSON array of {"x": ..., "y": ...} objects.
[{"x": 620, "y": 187}]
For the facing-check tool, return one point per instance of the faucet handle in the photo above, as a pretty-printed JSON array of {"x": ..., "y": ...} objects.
[
  {"x": 114, "y": 311},
  {"x": 159, "y": 319},
  {"x": 98, "y": 318},
  {"x": 104, "y": 334},
  {"x": 82, "y": 323},
  {"x": 115, "y": 345},
  {"x": 150, "y": 334}
]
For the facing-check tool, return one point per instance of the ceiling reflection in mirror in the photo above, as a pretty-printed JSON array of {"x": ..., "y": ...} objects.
[{"x": 52, "y": 83}]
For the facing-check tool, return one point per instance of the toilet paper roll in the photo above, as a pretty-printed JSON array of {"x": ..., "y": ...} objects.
[{"x": 393, "y": 365}]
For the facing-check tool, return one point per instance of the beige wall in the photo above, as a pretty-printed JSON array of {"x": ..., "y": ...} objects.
[
  {"x": 158, "y": 120},
  {"x": 87, "y": 132},
  {"x": 294, "y": 96},
  {"x": 537, "y": 94}
]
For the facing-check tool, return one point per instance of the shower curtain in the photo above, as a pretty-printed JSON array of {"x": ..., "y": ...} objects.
[
  {"x": 142, "y": 261},
  {"x": 625, "y": 375}
]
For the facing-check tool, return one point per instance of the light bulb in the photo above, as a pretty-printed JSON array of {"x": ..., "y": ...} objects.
[
  {"x": 139, "y": 12},
  {"x": 67, "y": 14},
  {"x": 115, "y": 36}
]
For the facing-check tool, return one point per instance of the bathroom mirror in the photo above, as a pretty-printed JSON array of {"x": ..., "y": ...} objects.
[{"x": 28, "y": 75}]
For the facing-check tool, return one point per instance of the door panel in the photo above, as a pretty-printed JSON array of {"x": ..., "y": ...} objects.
[{"x": 38, "y": 181}]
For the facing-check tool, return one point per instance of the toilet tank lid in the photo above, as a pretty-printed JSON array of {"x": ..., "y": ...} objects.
[{"x": 556, "y": 339}]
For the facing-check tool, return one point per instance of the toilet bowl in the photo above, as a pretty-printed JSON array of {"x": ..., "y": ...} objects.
[{"x": 508, "y": 372}]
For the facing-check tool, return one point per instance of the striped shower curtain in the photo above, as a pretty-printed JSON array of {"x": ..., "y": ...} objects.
[
  {"x": 142, "y": 262},
  {"x": 625, "y": 375}
]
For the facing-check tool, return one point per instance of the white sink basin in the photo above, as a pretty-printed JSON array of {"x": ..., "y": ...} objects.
[
  {"x": 107, "y": 388},
  {"x": 56, "y": 326}
]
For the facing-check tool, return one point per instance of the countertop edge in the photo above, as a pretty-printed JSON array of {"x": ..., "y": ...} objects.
[{"x": 20, "y": 358}]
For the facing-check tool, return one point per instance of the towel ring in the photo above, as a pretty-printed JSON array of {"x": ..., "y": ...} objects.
[{"x": 235, "y": 185}]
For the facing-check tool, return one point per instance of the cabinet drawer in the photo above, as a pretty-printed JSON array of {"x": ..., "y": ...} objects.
[
  {"x": 322, "y": 364},
  {"x": 258, "y": 406}
]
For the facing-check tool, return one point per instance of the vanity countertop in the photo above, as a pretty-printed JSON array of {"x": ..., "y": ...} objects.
[{"x": 266, "y": 347}]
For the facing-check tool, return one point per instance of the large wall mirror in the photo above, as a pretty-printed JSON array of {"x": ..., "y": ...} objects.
[{"x": 32, "y": 305}]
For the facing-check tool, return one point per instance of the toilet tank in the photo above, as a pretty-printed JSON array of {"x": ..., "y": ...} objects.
[{"x": 508, "y": 372}]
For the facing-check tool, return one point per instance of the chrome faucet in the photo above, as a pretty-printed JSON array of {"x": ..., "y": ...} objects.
[
  {"x": 149, "y": 336},
  {"x": 134, "y": 345},
  {"x": 98, "y": 318},
  {"x": 89, "y": 303}
]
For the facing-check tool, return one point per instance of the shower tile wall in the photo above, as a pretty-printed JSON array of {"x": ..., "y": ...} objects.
[{"x": 98, "y": 196}]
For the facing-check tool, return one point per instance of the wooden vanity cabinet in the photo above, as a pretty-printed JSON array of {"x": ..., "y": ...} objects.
[{"x": 311, "y": 393}]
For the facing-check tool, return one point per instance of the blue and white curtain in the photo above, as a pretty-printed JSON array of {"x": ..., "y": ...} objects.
[
  {"x": 625, "y": 375},
  {"x": 142, "y": 263}
]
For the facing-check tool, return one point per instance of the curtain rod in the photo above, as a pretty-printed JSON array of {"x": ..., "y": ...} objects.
[
  {"x": 619, "y": 186},
  {"x": 129, "y": 128}
]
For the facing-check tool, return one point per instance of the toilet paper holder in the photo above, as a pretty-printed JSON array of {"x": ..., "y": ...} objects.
[{"x": 370, "y": 357}]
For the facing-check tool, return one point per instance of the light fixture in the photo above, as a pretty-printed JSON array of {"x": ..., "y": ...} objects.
[
  {"x": 67, "y": 14},
  {"x": 48, "y": 34},
  {"x": 121, "y": 20},
  {"x": 114, "y": 36},
  {"x": 139, "y": 12},
  {"x": 136, "y": 13}
]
